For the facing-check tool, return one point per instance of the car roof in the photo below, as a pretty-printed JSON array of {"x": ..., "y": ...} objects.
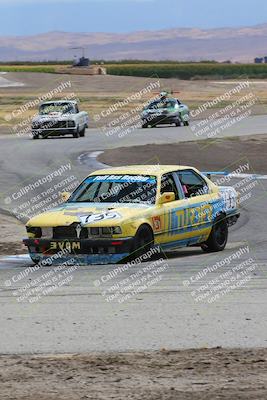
[
  {"x": 59, "y": 101},
  {"x": 156, "y": 170},
  {"x": 159, "y": 99}
]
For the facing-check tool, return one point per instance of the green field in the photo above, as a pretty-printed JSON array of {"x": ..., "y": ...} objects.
[
  {"x": 161, "y": 69},
  {"x": 190, "y": 70},
  {"x": 28, "y": 68}
]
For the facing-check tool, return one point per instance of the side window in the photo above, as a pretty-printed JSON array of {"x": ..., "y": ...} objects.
[
  {"x": 168, "y": 185},
  {"x": 192, "y": 183}
]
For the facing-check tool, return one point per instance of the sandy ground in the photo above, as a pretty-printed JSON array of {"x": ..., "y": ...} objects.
[
  {"x": 207, "y": 155},
  {"x": 11, "y": 234},
  {"x": 208, "y": 374}
]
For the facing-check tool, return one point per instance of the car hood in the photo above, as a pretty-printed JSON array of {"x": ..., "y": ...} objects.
[
  {"x": 51, "y": 117},
  {"x": 92, "y": 214}
]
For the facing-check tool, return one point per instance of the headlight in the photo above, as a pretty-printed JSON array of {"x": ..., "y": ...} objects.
[
  {"x": 117, "y": 230},
  {"x": 94, "y": 231},
  {"x": 36, "y": 232},
  {"x": 47, "y": 232},
  {"x": 105, "y": 231},
  {"x": 113, "y": 230},
  {"x": 71, "y": 124}
]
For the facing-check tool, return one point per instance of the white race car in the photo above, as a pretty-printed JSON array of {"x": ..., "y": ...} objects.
[{"x": 59, "y": 118}]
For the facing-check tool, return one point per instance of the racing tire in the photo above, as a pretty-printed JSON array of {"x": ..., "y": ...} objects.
[
  {"x": 35, "y": 137},
  {"x": 82, "y": 133},
  {"x": 144, "y": 126},
  {"x": 76, "y": 134},
  {"x": 217, "y": 239},
  {"x": 35, "y": 260},
  {"x": 186, "y": 123},
  {"x": 143, "y": 241},
  {"x": 178, "y": 123}
]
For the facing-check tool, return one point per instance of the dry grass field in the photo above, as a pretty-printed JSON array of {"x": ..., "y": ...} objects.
[{"x": 98, "y": 93}]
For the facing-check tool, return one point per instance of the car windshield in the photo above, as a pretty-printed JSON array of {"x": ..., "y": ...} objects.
[
  {"x": 159, "y": 104},
  {"x": 116, "y": 189},
  {"x": 64, "y": 108}
]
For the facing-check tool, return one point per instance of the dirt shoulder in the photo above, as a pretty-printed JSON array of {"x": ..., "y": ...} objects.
[
  {"x": 189, "y": 374},
  {"x": 206, "y": 155},
  {"x": 11, "y": 234}
]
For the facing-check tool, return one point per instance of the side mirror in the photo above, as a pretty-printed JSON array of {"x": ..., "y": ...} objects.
[
  {"x": 65, "y": 196},
  {"x": 166, "y": 197}
]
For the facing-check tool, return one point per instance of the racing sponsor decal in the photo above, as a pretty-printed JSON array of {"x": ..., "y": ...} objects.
[
  {"x": 121, "y": 178},
  {"x": 156, "y": 223},
  {"x": 91, "y": 218},
  {"x": 70, "y": 246},
  {"x": 230, "y": 198},
  {"x": 190, "y": 217}
]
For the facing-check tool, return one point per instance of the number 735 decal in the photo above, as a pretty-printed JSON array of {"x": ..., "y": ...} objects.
[{"x": 88, "y": 219}]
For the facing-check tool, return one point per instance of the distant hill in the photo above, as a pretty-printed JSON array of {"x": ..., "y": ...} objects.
[{"x": 185, "y": 44}]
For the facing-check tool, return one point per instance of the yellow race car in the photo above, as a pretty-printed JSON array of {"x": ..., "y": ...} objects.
[{"x": 119, "y": 213}]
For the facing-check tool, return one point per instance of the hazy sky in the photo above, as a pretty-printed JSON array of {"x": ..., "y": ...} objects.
[{"x": 26, "y": 17}]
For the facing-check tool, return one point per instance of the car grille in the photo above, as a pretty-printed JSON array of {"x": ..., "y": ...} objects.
[
  {"x": 69, "y": 232},
  {"x": 54, "y": 124}
]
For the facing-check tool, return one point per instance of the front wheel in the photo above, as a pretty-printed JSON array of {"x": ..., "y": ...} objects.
[
  {"x": 35, "y": 260},
  {"x": 178, "y": 122},
  {"x": 218, "y": 237},
  {"x": 82, "y": 133},
  {"x": 76, "y": 133},
  {"x": 186, "y": 123},
  {"x": 36, "y": 136},
  {"x": 143, "y": 241}
]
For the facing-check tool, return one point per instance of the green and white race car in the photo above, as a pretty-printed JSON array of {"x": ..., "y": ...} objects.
[{"x": 165, "y": 110}]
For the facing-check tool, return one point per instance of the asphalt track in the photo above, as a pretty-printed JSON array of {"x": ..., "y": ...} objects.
[{"x": 78, "y": 318}]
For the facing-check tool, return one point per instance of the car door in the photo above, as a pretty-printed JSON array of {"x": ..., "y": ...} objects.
[
  {"x": 187, "y": 220},
  {"x": 170, "y": 224},
  {"x": 199, "y": 205}
]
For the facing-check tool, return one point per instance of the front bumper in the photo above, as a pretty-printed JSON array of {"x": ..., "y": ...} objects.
[
  {"x": 84, "y": 251},
  {"x": 160, "y": 119},
  {"x": 54, "y": 132}
]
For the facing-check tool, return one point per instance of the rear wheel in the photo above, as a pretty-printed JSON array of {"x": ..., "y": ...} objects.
[
  {"x": 218, "y": 237},
  {"x": 35, "y": 136}
]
